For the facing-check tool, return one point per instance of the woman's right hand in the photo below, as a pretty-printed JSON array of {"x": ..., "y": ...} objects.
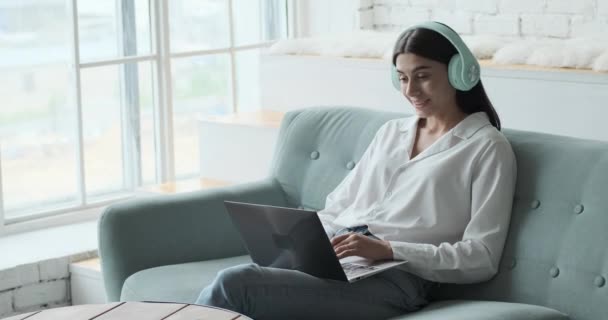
[{"x": 356, "y": 244}]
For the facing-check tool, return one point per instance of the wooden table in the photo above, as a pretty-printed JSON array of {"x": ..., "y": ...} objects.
[{"x": 132, "y": 310}]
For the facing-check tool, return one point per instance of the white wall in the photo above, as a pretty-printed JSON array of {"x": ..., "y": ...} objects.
[
  {"x": 318, "y": 17},
  {"x": 570, "y": 103},
  {"x": 516, "y": 18}
]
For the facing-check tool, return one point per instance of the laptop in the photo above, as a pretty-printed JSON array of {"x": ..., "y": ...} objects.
[{"x": 294, "y": 239}]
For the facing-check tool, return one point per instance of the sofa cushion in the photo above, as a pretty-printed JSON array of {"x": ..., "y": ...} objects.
[
  {"x": 175, "y": 283},
  {"x": 555, "y": 254},
  {"x": 486, "y": 310},
  {"x": 318, "y": 147}
]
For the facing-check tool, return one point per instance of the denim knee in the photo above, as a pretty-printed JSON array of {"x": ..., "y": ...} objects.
[
  {"x": 228, "y": 288},
  {"x": 233, "y": 278}
]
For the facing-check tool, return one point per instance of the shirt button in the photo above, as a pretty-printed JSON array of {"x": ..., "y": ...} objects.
[{"x": 388, "y": 194}]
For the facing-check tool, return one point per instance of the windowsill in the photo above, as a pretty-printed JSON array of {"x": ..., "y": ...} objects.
[
  {"x": 73, "y": 233},
  {"x": 44, "y": 244}
]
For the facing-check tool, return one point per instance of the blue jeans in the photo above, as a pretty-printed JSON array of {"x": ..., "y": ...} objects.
[{"x": 264, "y": 293}]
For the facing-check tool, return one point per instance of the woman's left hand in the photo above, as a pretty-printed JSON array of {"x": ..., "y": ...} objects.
[{"x": 356, "y": 244}]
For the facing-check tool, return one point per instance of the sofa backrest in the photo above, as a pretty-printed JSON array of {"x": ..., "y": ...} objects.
[
  {"x": 318, "y": 146},
  {"x": 556, "y": 253}
]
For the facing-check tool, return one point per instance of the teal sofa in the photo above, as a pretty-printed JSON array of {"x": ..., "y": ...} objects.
[{"x": 554, "y": 265}]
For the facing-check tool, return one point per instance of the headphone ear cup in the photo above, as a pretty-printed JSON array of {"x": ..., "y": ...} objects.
[
  {"x": 455, "y": 73},
  {"x": 395, "y": 78},
  {"x": 463, "y": 80}
]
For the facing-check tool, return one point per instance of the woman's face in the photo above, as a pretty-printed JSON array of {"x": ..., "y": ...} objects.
[{"x": 425, "y": 84}]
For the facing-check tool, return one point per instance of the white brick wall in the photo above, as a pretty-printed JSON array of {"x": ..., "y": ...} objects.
[
  {"x": 521, "y": 6},
  {"x": 6, "y": 304},
  {"x": 54, "y": 269},
  {"x": 427, "y": 4},
  {"x": 460, "y": 21},
  {"x": 28, "y": 274},
  {"x": 545, "y": 25},
  {"x": 382, "y": 15},
  {"x": 365, "y": 19},
  {"x": 36, "y": 286},
  {"x": 8, "y": 279},
  {"x": 475, "y": 6},
  {"x": 404, "y": 16},
  {"x": 42, "y": 307},
  {"x": 366, "y": 3},
  {"x": 504, "y": 24},
  {"x": 602, "y": 8},
  {"x": 40, "y": 294},
  {"x": 391, "y": 2},
  {"x": 581, "y": 26},
  {"x": 519, "y": 18},
  {"x": 584, "y": 7}
]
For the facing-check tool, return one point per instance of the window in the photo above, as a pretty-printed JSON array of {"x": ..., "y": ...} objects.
[{"x": 102, "y": 97}]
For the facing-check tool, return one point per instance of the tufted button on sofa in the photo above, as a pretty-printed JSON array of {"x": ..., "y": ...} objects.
[
  {"x": 350, "y": 165},
  {"x": 554, "y": 264}
]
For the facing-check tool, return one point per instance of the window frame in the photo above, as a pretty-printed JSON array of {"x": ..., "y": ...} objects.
[{"x": 160, "y": 57}]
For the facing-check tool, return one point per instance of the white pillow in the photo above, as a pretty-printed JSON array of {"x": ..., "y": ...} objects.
[
  {"x": 514, "y": 53},
  {"x": 485, "y": 46},
  {"x": 601, "y": 62}
]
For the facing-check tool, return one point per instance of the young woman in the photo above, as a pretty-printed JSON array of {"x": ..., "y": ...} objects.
[{"x": 435, "y": 190}]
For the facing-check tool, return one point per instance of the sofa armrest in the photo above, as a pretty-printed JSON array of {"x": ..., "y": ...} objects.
[{"x": 144, "y": 233}]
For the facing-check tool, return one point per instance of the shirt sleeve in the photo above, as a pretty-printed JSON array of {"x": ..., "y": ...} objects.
[
  {"x": 344, "y": 194},
  {"x": 476, "y": 257}
]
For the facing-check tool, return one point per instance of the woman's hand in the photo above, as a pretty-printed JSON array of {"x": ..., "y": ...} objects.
[{"x": 356, "y": 244}]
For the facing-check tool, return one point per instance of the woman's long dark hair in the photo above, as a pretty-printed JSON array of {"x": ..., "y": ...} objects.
[{"x": 432, "y": 45}]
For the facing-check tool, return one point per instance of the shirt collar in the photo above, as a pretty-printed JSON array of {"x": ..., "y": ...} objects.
[
  {"x": 471, "y": 124},
  {"x": 409, "y": 124},
  {"x": 464, "y": 129}
]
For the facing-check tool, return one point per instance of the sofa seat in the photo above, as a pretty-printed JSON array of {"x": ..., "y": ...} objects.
[
  {"x": 175, "y": 283},
  {"x": 183, "y": 283},
  {"x": 484, "y": 310}
]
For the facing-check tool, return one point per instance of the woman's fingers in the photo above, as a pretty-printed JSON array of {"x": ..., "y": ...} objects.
[
  {"x": 349, "y": 243},
  {"x": 348, "y": 249},
  {"x": 346, "y": 253},
  {"x": 336, "y": 240},
  {"x": 355, "y": 244},
  {"x": 343, "y": 239}
]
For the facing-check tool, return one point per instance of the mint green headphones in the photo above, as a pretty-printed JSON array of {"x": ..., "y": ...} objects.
[{"x": 463, "y": 68}]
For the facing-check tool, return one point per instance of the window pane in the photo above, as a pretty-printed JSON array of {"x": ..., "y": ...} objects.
[
  {"x": 37, "y": 123},
  {"x": 104, "y": 34},
  {"x": 259, "y": 21},
  {"x": 102, "y": 130},
  {"x": 118, "y": 125},
  {"x": 248, "y": 80},
  {"x": 198, "y": 24},
  {"x": 201, "y": 86}
]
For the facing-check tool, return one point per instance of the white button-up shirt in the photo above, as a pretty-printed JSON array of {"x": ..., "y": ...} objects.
[{"x": 446, "y": 211}]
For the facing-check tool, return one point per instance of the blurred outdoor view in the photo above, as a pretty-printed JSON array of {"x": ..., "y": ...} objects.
[{"x": 39, "y": 123}]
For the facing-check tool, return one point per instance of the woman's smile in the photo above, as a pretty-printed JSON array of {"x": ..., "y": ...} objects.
[{"x": 420, "y": 103}]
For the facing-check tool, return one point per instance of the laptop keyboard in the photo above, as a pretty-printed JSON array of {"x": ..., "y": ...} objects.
[{"x": 352, "y": 269}]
